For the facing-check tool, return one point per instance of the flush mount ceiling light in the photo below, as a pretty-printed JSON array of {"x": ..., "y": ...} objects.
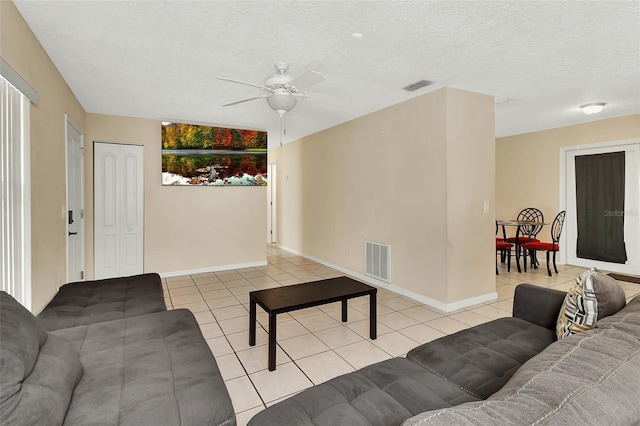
[
  {"x": 593, "y": 108},
  {"x": 356, "y": 35}
]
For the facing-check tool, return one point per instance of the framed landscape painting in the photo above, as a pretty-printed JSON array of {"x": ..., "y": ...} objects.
[{"x": 213, "y": 156}]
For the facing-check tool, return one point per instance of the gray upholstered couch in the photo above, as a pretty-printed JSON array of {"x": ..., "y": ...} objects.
[
  {"x": 510, "y": 371},
  {"x": 108, "y": 353},
  {"x": 89, "y": 302}
]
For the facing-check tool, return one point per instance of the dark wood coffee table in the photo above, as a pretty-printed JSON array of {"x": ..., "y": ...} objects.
[{"x": 293, "y": 297}]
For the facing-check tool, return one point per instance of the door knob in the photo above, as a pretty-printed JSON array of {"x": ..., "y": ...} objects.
[{"x": 73, "y": 233}]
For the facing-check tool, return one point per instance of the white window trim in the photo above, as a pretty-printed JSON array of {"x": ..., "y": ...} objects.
[{"x": 18, "y": 82}]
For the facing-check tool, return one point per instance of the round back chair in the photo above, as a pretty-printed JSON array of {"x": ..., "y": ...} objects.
[
  {"x": 552, "y": 247},
  {"x": 556, "y": 227},
  {"x": 531, "y": 214}
]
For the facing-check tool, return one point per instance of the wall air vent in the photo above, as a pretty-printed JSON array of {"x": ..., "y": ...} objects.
[
  {"x": 418, "y": 85},
  {"x": 377, "y": 260}
]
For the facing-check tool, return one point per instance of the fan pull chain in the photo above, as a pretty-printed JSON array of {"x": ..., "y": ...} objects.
[{"x": 283, "y": 129}]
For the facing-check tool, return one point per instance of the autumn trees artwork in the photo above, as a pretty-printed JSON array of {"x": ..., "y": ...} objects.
[
  {"x": 192, "y": 136},
  {"x": 217, "y": 156}
]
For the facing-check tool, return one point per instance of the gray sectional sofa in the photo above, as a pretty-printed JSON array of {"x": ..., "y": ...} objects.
[
  {"x": 510, "y": 371},
  {"x": 589, "y": 378},
  {"x": 108, "y": 353}
]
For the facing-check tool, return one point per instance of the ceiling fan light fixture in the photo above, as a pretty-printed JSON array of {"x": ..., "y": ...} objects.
[
  {"x": 592, "y": 108},
  {"x": 281, "y": 103}
]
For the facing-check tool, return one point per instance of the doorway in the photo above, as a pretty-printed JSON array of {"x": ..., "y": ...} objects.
[
  {"x": 595, "y": 214},
  {"x": 75, "y": 201},
  {"x": 271, "y": 203},
  {"x": 119, "y": 209}
]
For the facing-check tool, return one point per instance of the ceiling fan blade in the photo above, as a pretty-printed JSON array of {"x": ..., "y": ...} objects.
[
  {"x": 316, "y": 97},
  {"x": 307, "y": 79},
  {"x": 245, "y": 100},
  {"x": 243, "y": 82}
]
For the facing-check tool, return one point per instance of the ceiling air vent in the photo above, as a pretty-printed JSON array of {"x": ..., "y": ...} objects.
[
  {"x": 502, "y": 101},
  {"x": 418, "y": 85}
]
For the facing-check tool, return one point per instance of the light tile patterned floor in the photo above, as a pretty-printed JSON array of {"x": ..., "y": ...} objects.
[{"x": 313, "y": 344}]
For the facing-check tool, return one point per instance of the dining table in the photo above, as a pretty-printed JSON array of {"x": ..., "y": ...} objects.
[{"x": 518, "y": 224}]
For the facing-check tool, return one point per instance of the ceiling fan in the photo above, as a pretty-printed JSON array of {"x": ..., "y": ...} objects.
[{"x": 283, "y": 89}]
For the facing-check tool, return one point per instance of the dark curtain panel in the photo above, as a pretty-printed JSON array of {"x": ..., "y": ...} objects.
[{"x": 600, "y": 207}]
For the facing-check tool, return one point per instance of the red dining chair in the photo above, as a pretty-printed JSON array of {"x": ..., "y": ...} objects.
[
  {"x": 552, "y": 247},
  {"x": 503, "y": 248},
  {"x": 527, "y": 233}
]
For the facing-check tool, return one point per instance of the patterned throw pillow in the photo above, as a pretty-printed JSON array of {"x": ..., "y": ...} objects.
[
  {"x": 593, "y": 296},
  {"x": 579, "y": 311}
]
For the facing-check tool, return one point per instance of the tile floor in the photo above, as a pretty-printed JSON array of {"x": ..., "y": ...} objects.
[{"x": 313, "y": 344}]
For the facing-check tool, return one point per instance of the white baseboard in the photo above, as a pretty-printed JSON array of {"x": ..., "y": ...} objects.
[
  {"x": 442, "y": 306},
  {"x": 213, "y": 269}
]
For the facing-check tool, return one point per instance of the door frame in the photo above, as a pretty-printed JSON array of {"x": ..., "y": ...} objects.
[
  {"x": 82, "y": 229},
  {"x": 272, "y": 173},
  {"x": 634, "y": 192}
]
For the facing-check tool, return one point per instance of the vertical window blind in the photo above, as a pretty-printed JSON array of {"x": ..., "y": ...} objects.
[{"x": 15, "y": 193}]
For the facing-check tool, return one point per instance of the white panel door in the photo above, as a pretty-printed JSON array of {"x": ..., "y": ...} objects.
[
  {"x": 75, "y": 204},
  {"x": 119, "y": 210}
]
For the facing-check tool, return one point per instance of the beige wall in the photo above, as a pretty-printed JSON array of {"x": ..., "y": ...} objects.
[
  {"x": 414, "y": 176},
  {"x": 186, "y": 228},
  {"x": 22, "y": 51},
  {"x": 470, "y": 163},
  {"x": 527, "y": 165}
]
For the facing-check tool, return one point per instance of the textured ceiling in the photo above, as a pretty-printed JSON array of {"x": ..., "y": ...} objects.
[{"x": 159, "y": 59}]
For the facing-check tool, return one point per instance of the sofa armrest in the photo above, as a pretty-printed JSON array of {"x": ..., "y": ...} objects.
[{"x": 538, "y": 305}]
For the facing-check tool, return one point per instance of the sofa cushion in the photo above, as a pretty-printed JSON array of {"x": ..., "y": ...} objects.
[
  {"x": 483, "y": 358},
  {"x": 38, "y": 371},
  {"x": 610, "y": 294},
  {"x": 148, "y": 369},
  {"x": 590, "y": 378},
  {"x": 382, "y": 394},
  {"x": 538, "y": 305},
  {"x": 90, "y": 302},
  {"x": 593, "y": 296},
  {"x": 627, "y": 320}
]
